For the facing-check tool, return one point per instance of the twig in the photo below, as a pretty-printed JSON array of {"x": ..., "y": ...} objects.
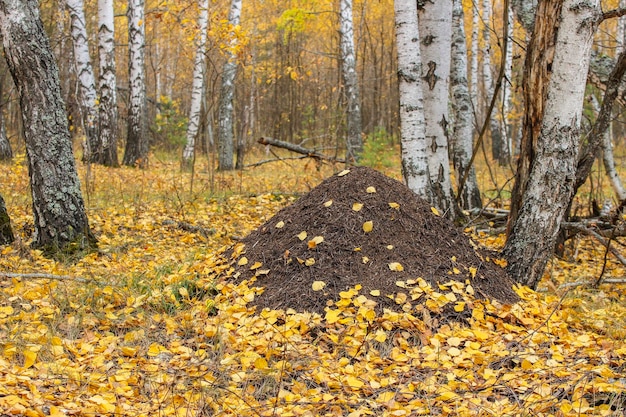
[
  {"x": 579, "y": 227},
  {"x": 187, "y": 227},
  {"x": 43, "y": 276},
  {"x": 591, "y": 283},
  {"x": 268, "y": 161}
]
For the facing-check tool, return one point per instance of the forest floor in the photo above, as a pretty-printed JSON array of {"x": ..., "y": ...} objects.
[{"x": 153, "y": 325}]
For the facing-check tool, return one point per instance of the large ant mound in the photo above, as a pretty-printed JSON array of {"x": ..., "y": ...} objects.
[{"x": 360, "y": 227}]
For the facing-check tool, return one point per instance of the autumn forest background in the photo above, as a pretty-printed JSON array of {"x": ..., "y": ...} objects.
[{"x": 153, "y": 321}]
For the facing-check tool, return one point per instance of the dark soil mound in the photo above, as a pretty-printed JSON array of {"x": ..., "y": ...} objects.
[{"x": 407, "y": 240}]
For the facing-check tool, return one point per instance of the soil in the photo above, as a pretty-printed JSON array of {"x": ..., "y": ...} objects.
[{"x": 408, "y": 239}]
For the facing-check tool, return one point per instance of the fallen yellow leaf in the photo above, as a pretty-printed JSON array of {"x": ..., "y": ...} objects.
[
  {"x": 357, "y": 206},
  {"x": 395, "y": 266},
  {"x": 368, "y": 226},
  {"x": 318, "y": 285}
]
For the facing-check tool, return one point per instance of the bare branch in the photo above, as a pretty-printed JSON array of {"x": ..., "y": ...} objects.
[
  {"x": 610, "y": 14},
  {"x": 43, "y": 276}
]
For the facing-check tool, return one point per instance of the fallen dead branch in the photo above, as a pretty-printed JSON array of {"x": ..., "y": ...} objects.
[
  {"x": 311, "y": 153},
  {"x": 187, "y": 227},
  {"x": 43, "y": 276}
]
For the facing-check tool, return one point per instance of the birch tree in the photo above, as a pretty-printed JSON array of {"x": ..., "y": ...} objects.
[
  {"x": 136, "y": 152},
  {"x": 354, "y": 142},
  {"x": 197, "y": 86},
  {"x": 225, "y": 135},
  {"x": 412, "y": 123},
  {"x": 537, "y": 71},
  {"x": 498, "y": 144},
  {"x": 87, "y": 98},
  {"x": 107, "y": 154},
  {"x": 435, "y": 28},
  {"x": 552, "y": 174},
  {"x": 463, "y": 132},
  {"x": 61, "y": 223},
  {"x": 474, "y": 61}
]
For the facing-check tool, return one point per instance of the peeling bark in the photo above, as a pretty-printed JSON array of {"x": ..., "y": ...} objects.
[
  {"x": 537, "y": 72},
  {"x": 553, "y": 172}
]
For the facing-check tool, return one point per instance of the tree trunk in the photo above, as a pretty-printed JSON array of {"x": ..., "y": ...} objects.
[
  {"x": 462, "y": 137},
  {"x": 525, "y": 10},
  {"x": 435, "y": 29},
  {"x": 197, "y": 86},
  {"x": 354, "y": 142},
  {"x": 412, "y": 123},
  {"x": 225, "y": 139},
  {"x": 86, "y": 82},
  {"x": 107, "y": 154},
  {"x": 537, "y": 72},
  {"x": 6, "y": 233},
  {"x": 507, "y": 87},
  {"x": 6, "y": 153},
  {"x": 474, "y": 62},
  {"x": 599, "y": 132},
  {"x": 499, "y": 152},
  {"x": 61, "y": 224},
  {"x": 553, "y": 172},
  {"x": 136, "y": 152}
]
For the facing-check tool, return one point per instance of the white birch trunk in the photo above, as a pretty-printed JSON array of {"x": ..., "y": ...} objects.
[
  {"x": 225, "y": 136},
  {"x": 412, "y": 124},
  {"x": 435, "y": 28},
  {"x": 474, "y": 61},
  {"x": 507, "y": 97},
  {"x": 608, "y": 158},
  {"x": 497, "y": 146},
  {"x": 621, "y": 31},
  {"x": 354, "y": 142},
  {"x": 136, "y": 152},
  {"x": 463, "y": 133},
  {"x": 553, "y": 173},
  {"x": 197, "y": 86},
  {"x": 108, "y": 116},
  {"x": 86, "y": 80}
]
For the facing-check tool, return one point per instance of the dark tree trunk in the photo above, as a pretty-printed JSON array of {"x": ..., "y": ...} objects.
[
  {"x": 61, "y": 224},
  {"x": 6, "y": 153},
  {"x": 6, "y": 233}
]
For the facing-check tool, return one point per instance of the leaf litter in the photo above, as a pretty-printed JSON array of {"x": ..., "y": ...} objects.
[{"x": 154, "y": 333}]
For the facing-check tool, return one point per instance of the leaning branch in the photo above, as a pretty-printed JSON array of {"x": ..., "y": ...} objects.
[
  {"x": 311, "y": 153},
  {"x": 609, "y": 14}
]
